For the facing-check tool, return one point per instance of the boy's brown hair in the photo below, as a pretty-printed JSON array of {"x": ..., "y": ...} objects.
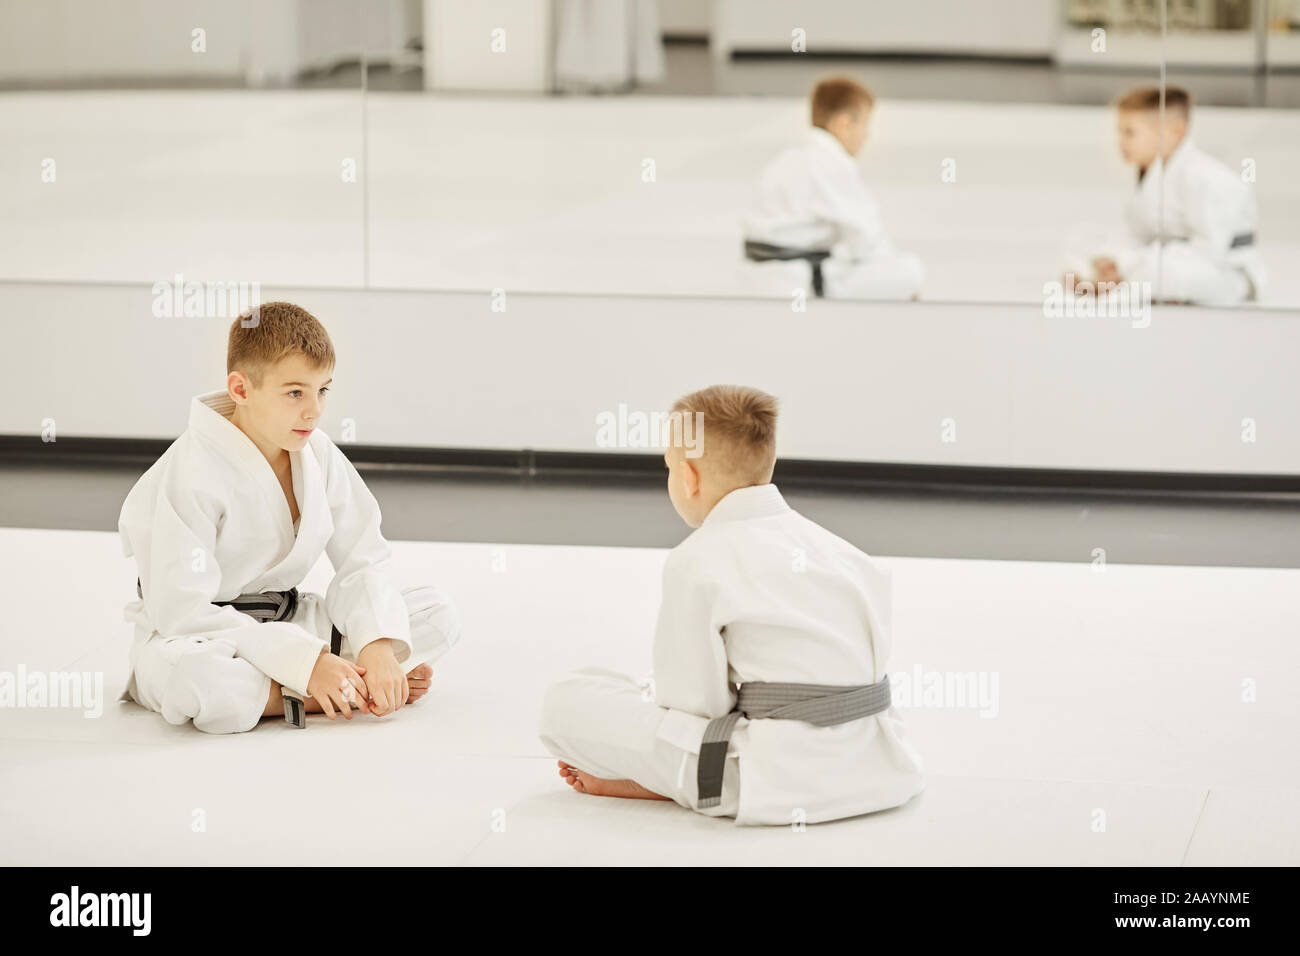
[
  {"x": 838, "y": 94},
  {"x": 1147, "y": 99},
  {"x": 272, "y": 331},
  {"x": 739, "y": 430}
]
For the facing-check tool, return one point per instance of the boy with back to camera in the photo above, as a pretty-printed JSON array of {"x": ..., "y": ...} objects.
[
  {"x": 813, "y": 217},
  {"x": 761, "y": 597}
]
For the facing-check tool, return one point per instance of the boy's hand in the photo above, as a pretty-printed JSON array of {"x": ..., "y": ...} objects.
[
  {"x": 385, "y": 680},
  {"x": 1107, "y": 270},
  {"x": 336, "y": 683}
]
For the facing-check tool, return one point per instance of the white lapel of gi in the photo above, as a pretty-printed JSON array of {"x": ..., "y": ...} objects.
[
  {"x": 209, "y": 417},
  {"x": 315, "y": 526}
]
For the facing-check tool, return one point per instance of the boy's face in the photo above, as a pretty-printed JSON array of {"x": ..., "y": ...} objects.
[
  {"x": 850, "y": 128},
  {"x": 284, "y": 410},
  {"x": 1139, "y": 135}
]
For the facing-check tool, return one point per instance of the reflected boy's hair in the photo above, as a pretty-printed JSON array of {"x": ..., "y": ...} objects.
[
  {"x": 739, "y": 430},
  {"x": 1147, "y": 99},
  {"x": 272, "y": 331},
  {"x": 837, "y": 94}
]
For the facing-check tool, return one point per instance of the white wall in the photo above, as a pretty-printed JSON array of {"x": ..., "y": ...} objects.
[
  {"x": 458, "y": 51},
  {"x": 686, "y": 17},
  {"x": 857, "y": 381},
  {"x": 258, "y": 41},
  {"x": 73, "y": 39},
  {"x": 990, "y": 27}
]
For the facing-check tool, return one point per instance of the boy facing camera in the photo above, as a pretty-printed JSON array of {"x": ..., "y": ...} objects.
[
  {"x": 1191, "y": 221},
  {"x": 756, "y": 596},
  {"x": 227, "y": 524},
  {"x": 813, "y": 216}
]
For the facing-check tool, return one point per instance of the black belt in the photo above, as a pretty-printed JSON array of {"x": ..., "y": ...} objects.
[
  {"x": 766, "y": 252},
  {"x": 275, "y": 606}
]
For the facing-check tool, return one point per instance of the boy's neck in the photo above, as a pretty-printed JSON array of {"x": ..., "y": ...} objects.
[
  {"x": 276, "y": 456},
  {"x": 1173, "y": 147},
  {"x": 1164, "y": 157},
  {"x": 718, "y": 494},
  {"x": 835, "y": 136}
]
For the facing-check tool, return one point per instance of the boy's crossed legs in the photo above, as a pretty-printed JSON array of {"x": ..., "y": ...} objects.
[
  {"x": 606, "y": 734},
  {"x": 207, "y": 682}
]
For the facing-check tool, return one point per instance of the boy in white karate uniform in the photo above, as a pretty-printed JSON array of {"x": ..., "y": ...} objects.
[
  {"x": 1191, "y": 221},
  {"x": 759, "y": 596},
  {"x": 243, "y": 504},
  {"x": 811, "y": 204}
]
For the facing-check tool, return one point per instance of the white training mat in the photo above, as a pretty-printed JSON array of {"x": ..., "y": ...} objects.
[{"x": 1143, "y": 715}]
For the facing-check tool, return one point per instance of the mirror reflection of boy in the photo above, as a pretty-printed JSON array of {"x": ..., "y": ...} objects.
[
  {"x": 812, "y": 203},
  {"x": 1209, "y": 250}
]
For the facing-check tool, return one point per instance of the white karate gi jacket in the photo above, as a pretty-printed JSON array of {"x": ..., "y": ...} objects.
[
  {"x": 209, "y": 521},
  {"x": 760, "y": 593},
  {"x": 812, "y": 196},
  {"x": 1205, "y": 203}
]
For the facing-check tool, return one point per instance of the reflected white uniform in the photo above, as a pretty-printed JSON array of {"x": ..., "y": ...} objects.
[
  {"x": 812, "y": 196},
  {"x": 757, "y": 593},
  {"x": 209, "y": 521},
  {"x": 1206, "y": 209}
]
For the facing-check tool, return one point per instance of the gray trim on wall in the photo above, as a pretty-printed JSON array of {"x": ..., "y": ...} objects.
[{"x": 644, "y": 467}]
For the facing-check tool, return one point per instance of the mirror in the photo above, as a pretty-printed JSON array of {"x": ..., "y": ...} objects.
[
  {"x": 634, "y": 146},
  {"x": 215, "y": 151}
]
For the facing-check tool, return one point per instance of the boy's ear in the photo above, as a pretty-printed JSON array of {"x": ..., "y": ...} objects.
[
  {"x": 237, "y": 385},
  {"x": 691, "y": 477}
]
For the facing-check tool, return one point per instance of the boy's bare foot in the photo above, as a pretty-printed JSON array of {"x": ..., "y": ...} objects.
[
  {"x": 418, "y": 681},
  {"x": 600, "y": 787}
]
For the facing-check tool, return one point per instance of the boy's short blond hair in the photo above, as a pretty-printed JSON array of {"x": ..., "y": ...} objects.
[
  {"x": 838, "y": 94},
  {"x": 1147, "y": 99},
  {"x": 273, "y": 331},
  {"x": 738, "y": 426}
]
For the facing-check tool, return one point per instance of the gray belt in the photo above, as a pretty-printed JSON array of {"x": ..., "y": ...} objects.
[
  {"x": 766, "y": 252},
  {"x": 822, "y": 704},
  {"x": 274, "y": 606},
  {"x": 1238, "y": 241}
]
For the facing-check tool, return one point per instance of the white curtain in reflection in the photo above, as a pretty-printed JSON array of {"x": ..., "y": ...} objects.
[{"x": 603, "y": 45}]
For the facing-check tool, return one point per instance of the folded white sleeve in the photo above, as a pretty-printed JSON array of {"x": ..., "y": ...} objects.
[
  {"x": 690, "y": 659},
  {"x": 362, "y": 600},
  {"x": 845, "y": 200}
]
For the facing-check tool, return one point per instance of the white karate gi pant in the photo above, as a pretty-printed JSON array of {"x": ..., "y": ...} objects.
[
  {"x": 1186, "y": 275},
  {"x": 893, "y": 277},
  {"x": 890, "y": 278},
  {"x": 192, "y": 678},
  {"x": 599, "y": 721}
]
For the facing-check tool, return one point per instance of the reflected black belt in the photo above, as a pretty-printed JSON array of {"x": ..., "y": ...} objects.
[
  {"x": 275, "y": 606},
  {"x": 822, "y": 704},
  {"x": 766, "y": 252}
]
